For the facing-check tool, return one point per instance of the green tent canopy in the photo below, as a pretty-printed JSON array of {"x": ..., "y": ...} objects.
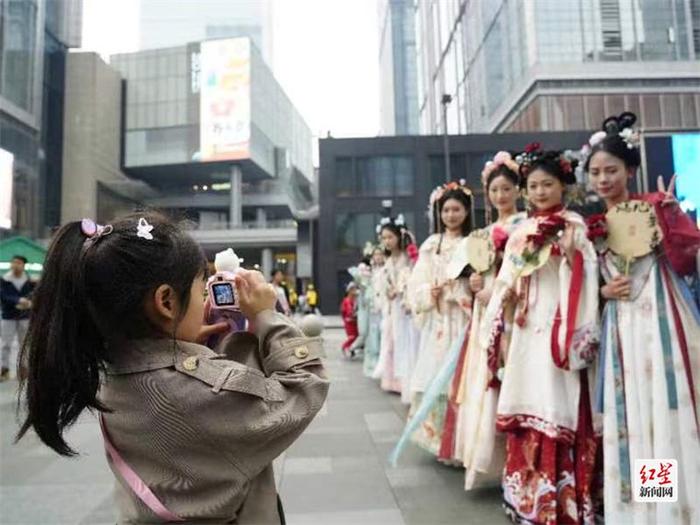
[{"x": 35, "y": 254}]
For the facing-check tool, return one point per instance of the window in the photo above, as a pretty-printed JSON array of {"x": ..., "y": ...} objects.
[
  {"x": 18, "y": 49},
  {"x": 458, "y": 169},
  {"x": 381, "y": 176},
  {"x": 344, "y": 186}
]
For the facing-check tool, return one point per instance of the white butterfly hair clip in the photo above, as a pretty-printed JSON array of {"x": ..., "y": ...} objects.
[{"x": 143, "y": 230}]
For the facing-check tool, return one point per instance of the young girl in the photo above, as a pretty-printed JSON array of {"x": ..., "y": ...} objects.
[
  {"x": 441, "y": 306},
  {"x": 374, "y": 333},
  {"x": 648, "y": 370},
  {"x": 543, "y": 406},
  {"x": 190, "y": 434},
  {"x": 475, "y": 386},
  {"x": 348, "y": 309},
  {"x": 395, "y": 239}
]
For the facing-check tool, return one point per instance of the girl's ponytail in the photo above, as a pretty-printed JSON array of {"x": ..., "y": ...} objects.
[{"x": 63, "y": 350}]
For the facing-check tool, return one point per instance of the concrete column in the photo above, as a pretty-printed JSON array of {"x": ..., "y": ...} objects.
[
  {"x": 261, "y": 217},
  {"x": 236, "y": 205},
  {"x": 266, "y": 262}
]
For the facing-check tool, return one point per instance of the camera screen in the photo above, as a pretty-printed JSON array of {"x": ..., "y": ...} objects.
[{"x": 223, "y": 294}]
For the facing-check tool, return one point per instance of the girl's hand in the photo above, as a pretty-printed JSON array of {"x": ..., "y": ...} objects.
[
  {"x": 476, "y": 282},
  {"x": 435, "y": 292},
  {"x": 619, "y": 288},
  {"x": 669, "y": 198},
  {"x": 211, "y": 329},
  {"x": 566, "y": 242},
  {"x": 255, "y": 295}
]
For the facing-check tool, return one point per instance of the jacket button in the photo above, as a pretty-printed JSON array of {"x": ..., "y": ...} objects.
[
  {"x": 301, "y": 352},
  {"x": 190, "y": 364}
]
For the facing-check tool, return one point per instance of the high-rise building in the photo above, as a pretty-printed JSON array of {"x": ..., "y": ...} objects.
[
  {"x": 549, "y": 65},
  {"x": 164, "y": 23},
  {"x": 34, "y": 39},
  {"x": 202, "y": 131},
  {"x": 397, "y": 63}
]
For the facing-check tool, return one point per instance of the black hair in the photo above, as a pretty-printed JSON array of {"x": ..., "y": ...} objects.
[
  {"x": 550, "y": 162},
  {"x": 90, "y": 298},
  {"x": 401, "y": 232},
  {"x": 275, "y": 272},
  {"x": 20, "y": 258},
  {"x": 462, "y": 198},
  {"x": 504, "y": 171},
  {"x": 366, "y": 260},
  {"x": 614, "y": 144}
]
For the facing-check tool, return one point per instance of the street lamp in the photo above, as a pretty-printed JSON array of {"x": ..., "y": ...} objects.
[{"x": 446, "y": 99}]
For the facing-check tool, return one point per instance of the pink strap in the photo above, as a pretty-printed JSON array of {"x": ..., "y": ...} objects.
[{"x": 134, "y": 481}]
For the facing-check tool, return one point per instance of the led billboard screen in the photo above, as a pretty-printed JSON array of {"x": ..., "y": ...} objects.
[
  {"x": 224, "y": 100},
  {"x": 6, "y": 176}
]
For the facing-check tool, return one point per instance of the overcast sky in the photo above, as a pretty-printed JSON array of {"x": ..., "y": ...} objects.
[{"x": 326, "y": 56}]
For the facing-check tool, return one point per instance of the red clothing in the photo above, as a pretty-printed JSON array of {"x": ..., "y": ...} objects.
[{"x": 349, "y": 313}]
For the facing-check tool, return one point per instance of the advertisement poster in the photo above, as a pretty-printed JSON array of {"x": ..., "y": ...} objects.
[
  {"x": 6, "y": 163},
  {"x": 225, "y": 100}
]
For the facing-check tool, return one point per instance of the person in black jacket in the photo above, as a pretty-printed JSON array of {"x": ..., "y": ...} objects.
[{"x": 15, "y": 292}]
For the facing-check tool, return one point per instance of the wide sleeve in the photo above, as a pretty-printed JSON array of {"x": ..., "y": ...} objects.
[
  {"x": 492, "y": 321},
  {"x": 422, "y": 279},
  {"x": 576, "y": 330},
  {"x": 251, "y": 416}
]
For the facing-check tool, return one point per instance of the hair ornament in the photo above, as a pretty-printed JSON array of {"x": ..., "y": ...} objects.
[
  {"x": 502, "y": 158},
  {"x": 93, "y": 231},
  {"x": 440, "y": 191},
  {"x": 143, "y": 230}
]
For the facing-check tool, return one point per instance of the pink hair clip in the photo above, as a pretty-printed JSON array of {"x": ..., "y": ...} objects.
[{"x": 93, "y": 231}]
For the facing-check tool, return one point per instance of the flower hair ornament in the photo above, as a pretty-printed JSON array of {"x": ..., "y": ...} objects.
[
  {"x": 143, "y": 230},
  {"x": 568, "y": 161},
  {"x": 93, "y": 231},
  {"x": 502, "y": 158}
]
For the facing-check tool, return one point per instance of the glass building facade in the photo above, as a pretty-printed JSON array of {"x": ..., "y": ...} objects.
[
  {"x": 34, "y": 39},
  {"x": 551, "y": 65},
  {"x": 397, "y": 63}
]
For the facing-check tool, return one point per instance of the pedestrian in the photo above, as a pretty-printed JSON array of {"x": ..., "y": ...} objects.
[
  {"x": 281, "y": 291},
  {"x": 15, "y": 291},
  {"x": 312, "y": 299},
  {"x": 550, "y": 273},
  {"x": 441, "y": 305},
  {"x": 190, "y": 433},
  {"x": 348, "y": 309},
  {"x": 647, "y": 384}
]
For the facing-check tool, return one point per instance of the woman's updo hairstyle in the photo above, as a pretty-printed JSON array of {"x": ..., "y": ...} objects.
[
  {"x": 553, "y": 162},
  {"x": 617, "y": 138}
]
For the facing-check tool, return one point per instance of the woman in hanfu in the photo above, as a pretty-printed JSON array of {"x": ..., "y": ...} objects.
[
  {"x": 441, "y": 306},
  {"x": 550, "y": 270},
  {"x": 475, "y": 385},
  {"x": 647, "y": 385},
  {"x": 408, "y": 333},
  {"x": 374, "y": 309},
  {"x": 395, "y": 238},
  {"x": 361, "y": 275}
]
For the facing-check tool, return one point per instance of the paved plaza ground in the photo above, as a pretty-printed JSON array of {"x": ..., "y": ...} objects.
[{"x": 336, "y": 473}]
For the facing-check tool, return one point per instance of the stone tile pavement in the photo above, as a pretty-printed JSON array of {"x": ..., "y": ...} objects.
[{"x": 336, "y": 473}]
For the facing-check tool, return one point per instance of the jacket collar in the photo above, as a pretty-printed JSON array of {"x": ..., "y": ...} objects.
[{"x": 143, "y": 355}]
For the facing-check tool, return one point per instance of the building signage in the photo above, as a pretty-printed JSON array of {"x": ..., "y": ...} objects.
[{"x": 224, "y": 100}]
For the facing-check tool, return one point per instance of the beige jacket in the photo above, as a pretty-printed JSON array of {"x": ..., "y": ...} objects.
[{"x": 201, "y": 429}]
